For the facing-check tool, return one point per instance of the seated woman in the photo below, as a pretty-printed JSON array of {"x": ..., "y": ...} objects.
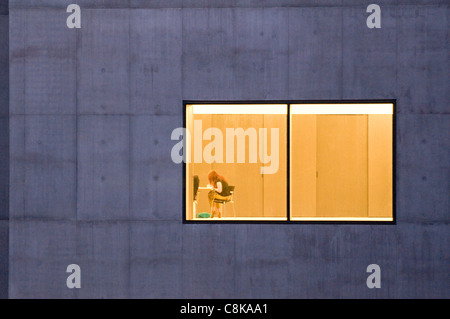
[{"x": 219, "y": 190}]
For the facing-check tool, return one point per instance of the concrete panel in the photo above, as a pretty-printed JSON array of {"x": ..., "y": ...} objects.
[
  {"x": 104, "y": 258},
  {"x": 4, "y": 7},
  {"x": 155, "y": 50},
  {"x": 45, "y": 53},
  {"x": 309, "y": 267},
  {"x": 17, "y": 171},
  {"x": 208, "y": 55},
  {"x": 167, "y": 179},
  {"x": 157, "y": 4},
  {"x": 156, "y": 260},
  {"x": 43, "y": 171},
  {"x": 4, "y": 258},
  {"x": 153, "y": 174},
  {"x": 151, "y": 137},
  {"x": 356, "y": 248},
  {"x": 260, "y": 53},
  {"x": 421, "y": 2},
  {"x": 210, "y": 3},
  {"x": 4, "y": 168},
  {"x": 50, "y": 167},
  {"x": 17, "y": 62},
  {"x": 50, "y": 191},
  {"x": 315, "y": 53},
  {"x": 62, "y": 4},
  {"x": 369, "y": 56},
  {"x": 423, "y": 59},
  {"x": 331, "y": 260},
  {"x": 259, "y": 270},
  {"x": 50, "y": 138},
  {"x": 208, "y": 261},
  {"x": 422, "y": 194},
  {"x": 103, "y": 58},
  {"x": 39, "y": 255},
  {"x": 4, "y": 66},
  {"x": 423, "y": 144},
  {"x": 423, "y": 261},
  {"x": 235, "y": 54},
  {"x": 103, "y": 167},
  {"x": 423, "y": 141},
  {"x": 156, "y": 192},
  {"x": 4, "y": 150}
]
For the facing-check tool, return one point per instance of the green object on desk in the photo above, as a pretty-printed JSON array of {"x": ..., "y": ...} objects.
[{"x": 203, "y": 215}]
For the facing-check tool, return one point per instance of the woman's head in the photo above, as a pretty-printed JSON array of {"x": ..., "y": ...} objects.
[{"x": 213, "y": 177}]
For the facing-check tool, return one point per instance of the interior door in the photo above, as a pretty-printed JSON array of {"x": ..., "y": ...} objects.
[{"x": 342, "y": 166}]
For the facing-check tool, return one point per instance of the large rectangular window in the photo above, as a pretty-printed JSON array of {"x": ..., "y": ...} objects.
[{"x": 289, "y": 162}]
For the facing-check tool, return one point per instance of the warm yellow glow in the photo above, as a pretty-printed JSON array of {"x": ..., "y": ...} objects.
[
  {"x": 363, "y": 108},
  {"x": 346, "y": 219},
  {"x": 239, "y": 108},
  {"x": 340, "y": 161},
  {"x": 243, "y": 219},
  {"x": 321, "y": 219}
]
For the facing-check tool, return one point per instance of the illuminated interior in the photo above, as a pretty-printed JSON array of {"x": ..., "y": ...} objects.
[
  {"x": 240, "y": 142},
  {"x": 340, "y": 162}
]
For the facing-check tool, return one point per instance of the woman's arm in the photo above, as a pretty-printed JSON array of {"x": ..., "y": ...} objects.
[{"x": 219, "y": 187}]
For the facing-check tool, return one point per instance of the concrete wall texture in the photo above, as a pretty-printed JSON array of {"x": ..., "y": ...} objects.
[
  {"x": 4, "y": 149},
  {"x": 91, "y": 177}
]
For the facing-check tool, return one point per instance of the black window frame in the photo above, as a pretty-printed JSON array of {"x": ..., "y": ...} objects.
[{"x": 288, "y": 167}]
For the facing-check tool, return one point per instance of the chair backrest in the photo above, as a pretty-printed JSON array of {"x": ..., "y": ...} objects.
[
  {"x": 196, "y": 185},
  {"x": 231, "y": 190},
  {"x": 229, "y": 197}
]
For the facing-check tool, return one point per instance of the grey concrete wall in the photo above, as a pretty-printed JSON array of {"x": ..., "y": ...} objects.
[
  {"x": 92, "y": 181},
  {"x": 4, "y": 148}
]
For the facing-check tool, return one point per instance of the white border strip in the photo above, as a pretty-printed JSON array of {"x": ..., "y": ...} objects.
[
  {"x": 357, "y": 108},
  {"x": 305, "y": 219},
  {"x": 216, "y": 219},
  {"x": 347, "y": 219},
  {"x": 239, "y": 108}
]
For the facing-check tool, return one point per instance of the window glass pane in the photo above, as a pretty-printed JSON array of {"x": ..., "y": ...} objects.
[
  {"x": 341, "y": 162},
  {"x": 242, "y": 147}
]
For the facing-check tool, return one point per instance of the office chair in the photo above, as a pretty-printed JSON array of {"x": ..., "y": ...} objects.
[
  {"x": 229, "y": 199},
  {"x": 196, "y": 185}
]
